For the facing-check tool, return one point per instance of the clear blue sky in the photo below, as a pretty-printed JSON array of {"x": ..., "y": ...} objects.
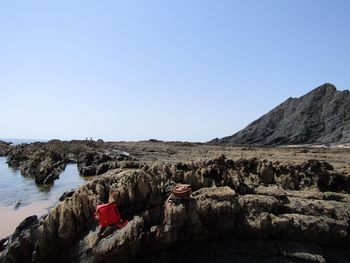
[{"x": 171, "y": 70}]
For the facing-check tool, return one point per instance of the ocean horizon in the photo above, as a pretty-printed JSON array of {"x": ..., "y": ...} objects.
[{"x": 16, "y": 141}]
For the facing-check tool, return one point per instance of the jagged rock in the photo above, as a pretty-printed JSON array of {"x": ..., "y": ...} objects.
[
  {"x": 66, "y": 195},
  {"x": 45, "y": 161},
  {"x": 266, "y": 173},
  {"x": 95, "y": 163},
  {"x": 44, "y": 165},
  {"x": 234, "y": 210},
  {"x": 4, "y": 148},
  {"x": 3, "y": 243},
  {"x": 25, "y": 224},
  {"x": 346, "y": 170},
  {"x": 20, "y": 246},
  {"x": 322, "y": 116}
]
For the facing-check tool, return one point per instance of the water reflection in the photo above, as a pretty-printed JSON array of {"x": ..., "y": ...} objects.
[{"x": 21, "y": 192}]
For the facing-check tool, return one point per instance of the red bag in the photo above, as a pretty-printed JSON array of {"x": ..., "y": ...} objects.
[{"x": 108, "y": 214}]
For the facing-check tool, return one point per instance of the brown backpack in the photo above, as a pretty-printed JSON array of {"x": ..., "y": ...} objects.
[
  {"x": 182, "y": 190},
  {"x": 179, "y": 192}
]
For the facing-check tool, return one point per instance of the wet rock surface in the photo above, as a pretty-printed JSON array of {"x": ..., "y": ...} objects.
[
  {"x": 45, "y": 161},
  {"x": 244, "y": 210},
  {"x": 44, "y": 165}
]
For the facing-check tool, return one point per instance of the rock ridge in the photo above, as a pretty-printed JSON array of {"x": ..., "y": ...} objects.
[
  {"x": 321, "y": 116},
  {"x": 45, "y": 161},
  {"x": 245, "y": 209}
]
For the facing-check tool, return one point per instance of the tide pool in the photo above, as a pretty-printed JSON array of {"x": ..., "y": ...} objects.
[{"x": 20, "y": 197}]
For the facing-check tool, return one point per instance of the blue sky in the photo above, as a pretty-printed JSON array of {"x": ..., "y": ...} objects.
[{"x": 171, "y": 70}]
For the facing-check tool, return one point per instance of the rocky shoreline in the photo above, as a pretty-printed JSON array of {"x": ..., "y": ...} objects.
[
  {"x": 45, "y": 161},
  {"x": 247, "y": 210},
  {"x": 4, "y": 148}
]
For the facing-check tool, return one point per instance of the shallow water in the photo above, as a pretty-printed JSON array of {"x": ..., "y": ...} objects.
[
  {"x": 33, "y": 199},
  {"x": 20, "y": 141}
]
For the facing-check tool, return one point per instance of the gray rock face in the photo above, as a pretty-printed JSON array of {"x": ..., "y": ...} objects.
[
  {"x": 321, "y": 116},
  {"x": 245, "y": 210}
]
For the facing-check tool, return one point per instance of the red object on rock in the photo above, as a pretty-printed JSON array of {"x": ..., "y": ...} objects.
[
  {"x": 182, "y": 190},
  {"x": 108, "y": 214}
]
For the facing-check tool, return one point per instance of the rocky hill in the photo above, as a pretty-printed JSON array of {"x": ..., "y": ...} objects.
[{"x": 322, "y": 116}]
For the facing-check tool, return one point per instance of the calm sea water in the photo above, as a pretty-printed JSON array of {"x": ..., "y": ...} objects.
[
  {"x": 15, "y": 141},
  {"x": 33, "y": 199}
]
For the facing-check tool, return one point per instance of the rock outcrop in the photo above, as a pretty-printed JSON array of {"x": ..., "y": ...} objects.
[
  {"x": 4, "y": 148},
  {"x": 44, "y": 165},
  {"x": 246, "y": 210},
  {"x": 322, "y": 116},
  {"x": 95, "y": 163},
  {"x": 45, "y": 161}
]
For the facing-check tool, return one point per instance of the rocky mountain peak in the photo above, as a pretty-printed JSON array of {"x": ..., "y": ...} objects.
[
  {"x": 326, "y": 89},
  {"x": 322, "y": 116}
]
